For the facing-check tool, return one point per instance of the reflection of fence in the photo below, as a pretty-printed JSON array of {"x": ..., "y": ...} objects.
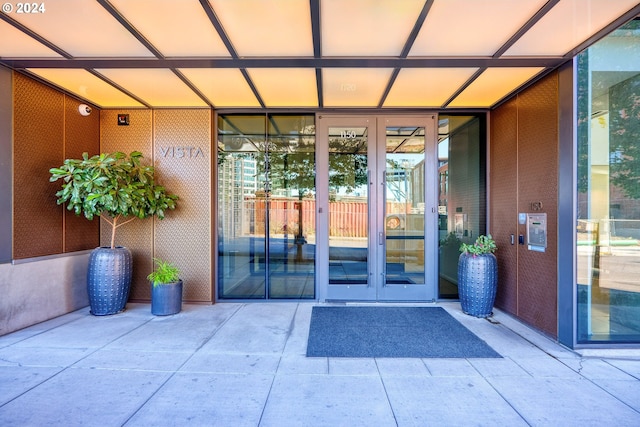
[
  {"x": 351, "y": 219},
  {"x": 284, "y": 216},
  {"x": 608, "y": 232},
  {"x": 346, "y": 218}
]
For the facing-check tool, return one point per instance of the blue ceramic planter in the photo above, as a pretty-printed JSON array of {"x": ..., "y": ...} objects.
[
  {"x": 109, "y": 280},
  {"x": 477, "y": 283},
  {"x": 166, "y": 298}
]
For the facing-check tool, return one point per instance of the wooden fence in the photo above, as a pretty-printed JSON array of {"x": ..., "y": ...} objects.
[{"x": 346, "y": 218}]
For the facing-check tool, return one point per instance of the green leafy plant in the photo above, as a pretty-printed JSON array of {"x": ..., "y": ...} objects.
[
  {"x": 165, "y": 272},
  {"x": 483, "y": 245},
  {"x": 116, "y": 187}
]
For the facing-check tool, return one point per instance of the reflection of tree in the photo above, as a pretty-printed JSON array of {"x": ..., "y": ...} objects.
[
  {"x": 347, "y": 163},
  {"x": 347, "y": 171},
  {"x": 222, "y": 157},
  {"x": 296, "y": 171},
  {"x": 584, "y": 122},
  {"x": 289, "y": 165},
  {"x": 624, "y": 131},
  {"x": 292, "y": 171}
]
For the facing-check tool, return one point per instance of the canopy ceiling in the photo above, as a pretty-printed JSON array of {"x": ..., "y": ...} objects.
[{"x": 442, "y": 54}]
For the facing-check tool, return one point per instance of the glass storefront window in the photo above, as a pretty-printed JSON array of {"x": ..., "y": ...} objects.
[
  {"x": 461, "y": 193},
  {"x": 608, "y": 181},
  {"x": 266, "y": 206}
]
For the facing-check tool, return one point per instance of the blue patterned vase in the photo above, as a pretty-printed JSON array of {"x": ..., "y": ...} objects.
[
  {"x": 109, "y": 280},
  {"x": 477, "y": 283},
  {"x": 166, "y": 298}
]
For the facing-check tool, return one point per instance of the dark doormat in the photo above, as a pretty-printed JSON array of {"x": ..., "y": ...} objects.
[{"x": 423, "y": 332}]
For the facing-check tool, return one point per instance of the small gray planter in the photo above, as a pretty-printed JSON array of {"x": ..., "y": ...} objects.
[
  {"x": 477, "y": 283},
  {"x": 166, "y": 298},
  {"x": 109, "y": 280}
]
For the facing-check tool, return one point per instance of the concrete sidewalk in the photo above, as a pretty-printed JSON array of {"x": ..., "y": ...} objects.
[{"x": 244, "y": 365}]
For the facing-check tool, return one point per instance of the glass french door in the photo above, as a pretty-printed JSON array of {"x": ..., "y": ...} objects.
[{"x": 376, "y": 218}]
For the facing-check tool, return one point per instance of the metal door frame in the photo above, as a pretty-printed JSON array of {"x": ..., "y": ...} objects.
[{"x": 376, "y": 290}]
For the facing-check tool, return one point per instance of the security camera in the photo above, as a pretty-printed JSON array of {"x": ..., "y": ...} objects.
[{"x": 84, "y": 109}]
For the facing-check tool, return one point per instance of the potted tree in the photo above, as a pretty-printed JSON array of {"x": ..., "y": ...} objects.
[
  {"x": 118, "y": 189},
  {"x": 478, "y": 276},
  {"x": 166, "y": 289}
]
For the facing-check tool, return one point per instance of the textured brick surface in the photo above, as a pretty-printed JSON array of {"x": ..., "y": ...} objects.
[
  {"x": 138, "y": 234},
  {"x": 538, "y": 182},
  {"x": 177, "y": 142},
  {"x": 38, "y": 146},
  {"x": 48, "y": 129},
  {"x": 503, "y": 157},
  {"x": 184, "y": 236},
  {"x": 524, "y": 170},
  {"x": 81, "y": 133}
]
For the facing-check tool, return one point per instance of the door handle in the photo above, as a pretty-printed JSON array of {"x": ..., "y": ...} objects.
[{"x": 381, "y": 238}]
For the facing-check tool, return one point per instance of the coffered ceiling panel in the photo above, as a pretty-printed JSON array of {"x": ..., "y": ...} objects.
[
  {"x": 286, "y": 87},
  {"x": 175, "y": 27},
  {"x": 354, "y": 87},
  {"x": 224, "y": 87},
  {"x": 492, "y": 85},
  {"x": 267, "y": 28},
  {"x": 83, "y": 29},
  {"x": 429, "y": 87},
  {"x": 157, "y": 87},
  {"x": 567, "y": 25},
  {"x": 21, "y": 45},
  {"x": 307, "y": 54},
  {"x": 489, "y": 24},
  {"x": 86, "y": 86},
  {"x": 363, "y": 28}
]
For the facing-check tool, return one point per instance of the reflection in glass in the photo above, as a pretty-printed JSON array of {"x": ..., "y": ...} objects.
[
  {"x": 266, "y": 206},
  {"x": 404, "y": 205},
  {"x": 461, "y": 193},
  {"x": 348, "y": 205},
  {"x": 608, "y": 226}
]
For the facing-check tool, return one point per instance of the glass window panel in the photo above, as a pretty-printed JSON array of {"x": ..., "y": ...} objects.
[
  {"x": 291, "y": 177},
  {"x": 291, "y": 223},
  {"x": 404, "y": 207},
  {"x": 247, "y": 124},
  {"x": 348, "y": 206},
  {"x": 608, "y": 219},
  {"x": 461, "y": 193},
  {"x": 268, "y": 250},
  {"x": 242, "y": 207},
  {"x": 405, "y": 140}
]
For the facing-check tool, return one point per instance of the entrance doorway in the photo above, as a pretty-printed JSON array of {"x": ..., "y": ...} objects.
[{"x": 376, "y": 215}]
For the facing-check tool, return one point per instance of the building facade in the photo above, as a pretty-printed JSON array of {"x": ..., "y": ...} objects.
[{"x": 342, "y": 200}]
